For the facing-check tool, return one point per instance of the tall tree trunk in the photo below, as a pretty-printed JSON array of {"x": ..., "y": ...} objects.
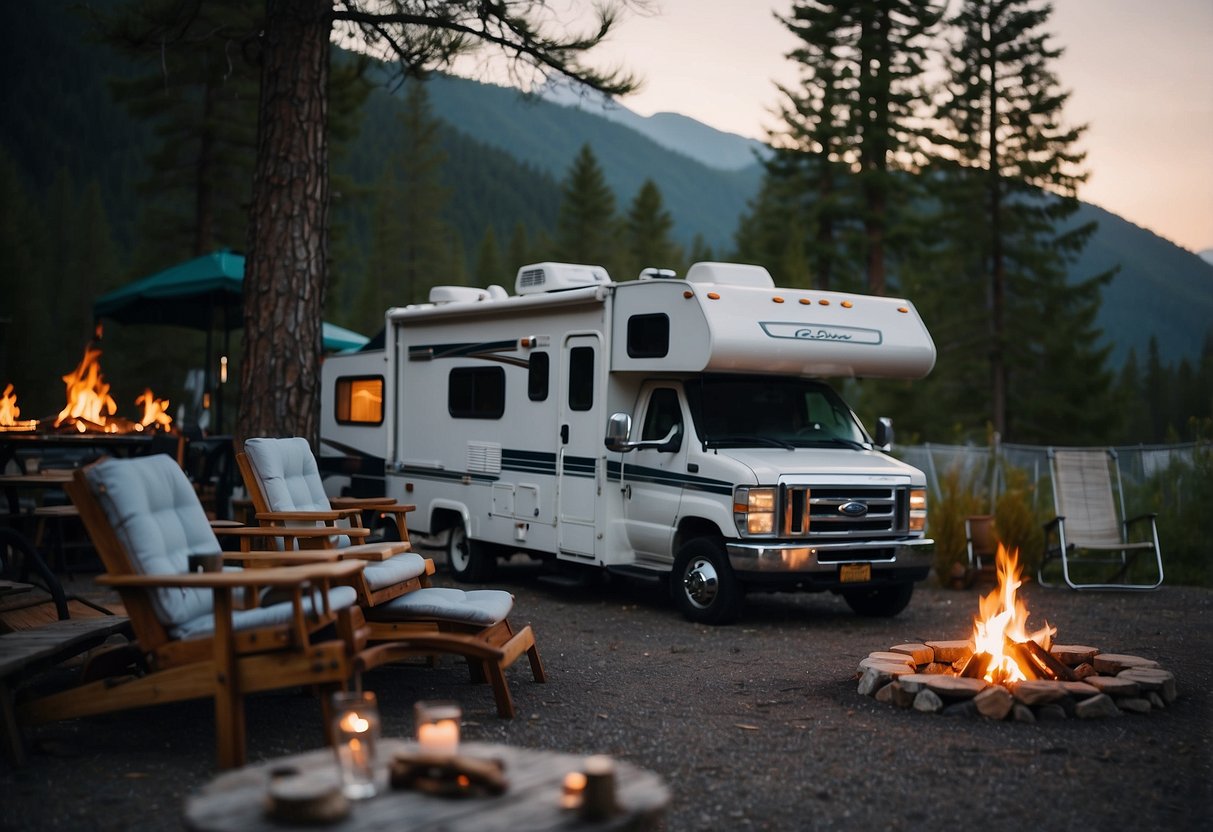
[
  {"x": 998, "y": 363},
  {"x": 284, "y": 273}
]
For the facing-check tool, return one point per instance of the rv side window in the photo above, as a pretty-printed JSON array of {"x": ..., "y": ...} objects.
[
  {"x": 581, "y": 378},
  {"x": 359, "y": 400},
  {"x": 648, "y": 336},
  {"x": 476, "y": 393},
  {"x": 537, "y": 376}
]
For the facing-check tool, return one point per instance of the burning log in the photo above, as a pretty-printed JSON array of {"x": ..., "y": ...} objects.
[
  {"x": 976, "y": 666},
  {"x": 1044, "y": 661}
]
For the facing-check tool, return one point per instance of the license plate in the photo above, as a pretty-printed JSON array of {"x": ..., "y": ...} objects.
[{"x": 854, "y": 573}]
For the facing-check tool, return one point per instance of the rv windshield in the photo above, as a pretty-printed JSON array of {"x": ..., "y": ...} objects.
[{"x": 757, "y": 411}]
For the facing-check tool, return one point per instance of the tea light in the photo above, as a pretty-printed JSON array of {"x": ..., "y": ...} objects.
[
  {"x": 438, "y": 727},
  {"x": 574, "y": 790},
  {"x": 356, "y": 729}
]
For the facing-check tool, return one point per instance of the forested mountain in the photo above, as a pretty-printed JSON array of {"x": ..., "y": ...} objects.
[{"x": 505, "y": 157}]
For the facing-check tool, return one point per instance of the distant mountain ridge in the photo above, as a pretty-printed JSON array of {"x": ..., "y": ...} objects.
[{"x": 673, "y": 131}]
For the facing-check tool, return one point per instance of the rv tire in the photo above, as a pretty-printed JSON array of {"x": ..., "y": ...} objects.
[
  {"x": 470, "y": 561},
  {"x": 880, "y": 601},
  {"x": 703, "y": 584}
]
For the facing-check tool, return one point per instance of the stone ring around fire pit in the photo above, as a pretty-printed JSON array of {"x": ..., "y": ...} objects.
[{"x": 1089, "y": 684}]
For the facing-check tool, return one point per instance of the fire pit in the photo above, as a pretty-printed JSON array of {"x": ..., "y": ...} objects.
[
  {"x": 90, "y": 408},
  {"x": 1005, "y": 672},
  {"x": 86, "y": 427}
]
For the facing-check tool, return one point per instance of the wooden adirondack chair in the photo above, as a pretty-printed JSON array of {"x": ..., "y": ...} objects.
[
  {"x": 283, "y": 480},
  {"x": 199, "y": 634}
]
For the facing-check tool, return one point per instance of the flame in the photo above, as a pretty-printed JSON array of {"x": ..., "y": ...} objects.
[
  {"x": 155, "y": 411},
  {"x": 88, "y": 395},
  {"x": 9, "y": 412},
  {"x": 1004, "y": 617},
  {"x": 90, "y": 407}
]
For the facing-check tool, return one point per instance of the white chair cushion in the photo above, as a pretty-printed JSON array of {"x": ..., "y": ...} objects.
[
  {"x": 340, "y": 597},
  {"x": 402, "y": 567},
  {"x": 287, "y": 471},
  {"x": 289, "y": 477},
  {"x": 482, "y": 607},
  {"x": 158, "y": 520},
  {"x": 157, "y": 517}
]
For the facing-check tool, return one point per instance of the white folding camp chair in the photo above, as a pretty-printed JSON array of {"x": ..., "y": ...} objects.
[{"x": 1088, "y": 530}]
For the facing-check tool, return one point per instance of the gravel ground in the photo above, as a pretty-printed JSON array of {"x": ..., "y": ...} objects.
[{"x": 754, "y": 726}]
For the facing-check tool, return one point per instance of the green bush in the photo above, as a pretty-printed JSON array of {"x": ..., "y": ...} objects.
[
  {"x": 960, "y": 497},
  {"x": 1016, "y": 524}
]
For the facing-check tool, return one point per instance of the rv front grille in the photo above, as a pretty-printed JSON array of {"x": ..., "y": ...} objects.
[{"x": 838, "y": 512}]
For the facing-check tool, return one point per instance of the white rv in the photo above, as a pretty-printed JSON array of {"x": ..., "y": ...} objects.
[{"x": 665, "y": 428}]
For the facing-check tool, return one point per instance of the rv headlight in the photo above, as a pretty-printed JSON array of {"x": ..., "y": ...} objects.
[
  {"x": 754, "y": 511},
  {"x": 918, "y": 509}
]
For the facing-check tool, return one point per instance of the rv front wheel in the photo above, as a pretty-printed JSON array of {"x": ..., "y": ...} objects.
[
  {"x": 703, "y": 584},
  {"x": 468, "y": 559}
]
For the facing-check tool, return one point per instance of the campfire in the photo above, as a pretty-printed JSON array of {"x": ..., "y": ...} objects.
[
  {"x": 9, "y": 413},
  {"x": 1004, "y": 671},
  {"x": 90, "y": 408}
]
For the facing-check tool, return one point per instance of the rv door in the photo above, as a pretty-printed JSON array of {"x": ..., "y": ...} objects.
[
  {"x": 578, "y": 445},
  {"x": 652, "y": 475}
]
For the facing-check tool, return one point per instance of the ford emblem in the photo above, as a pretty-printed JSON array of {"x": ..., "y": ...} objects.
[{"x": 853, "y": 508}]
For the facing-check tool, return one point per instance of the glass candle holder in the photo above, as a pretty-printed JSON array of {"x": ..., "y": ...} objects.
[
  {"x": 438, "y": 727},
  {"x": 355, "y": 734}
]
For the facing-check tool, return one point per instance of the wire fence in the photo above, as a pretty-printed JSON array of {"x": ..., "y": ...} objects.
[{"x": 989, "y": 466}]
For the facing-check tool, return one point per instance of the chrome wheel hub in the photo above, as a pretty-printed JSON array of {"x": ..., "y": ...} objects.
[{"x": 701, "y": 583}]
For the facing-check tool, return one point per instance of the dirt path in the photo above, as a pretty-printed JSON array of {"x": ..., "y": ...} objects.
[{"x": 754, "y": 726}]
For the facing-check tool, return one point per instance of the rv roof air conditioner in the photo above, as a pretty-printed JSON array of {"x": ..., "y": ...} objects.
[
  {"x": 658, "y": 274},
  {"x": 556, "y": 277},
  {"x": 441, "y": 295},
  {"x": 735, "y": 274}
]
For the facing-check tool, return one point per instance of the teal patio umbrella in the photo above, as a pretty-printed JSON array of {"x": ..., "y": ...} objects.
[{"x": 204, "y": 293}]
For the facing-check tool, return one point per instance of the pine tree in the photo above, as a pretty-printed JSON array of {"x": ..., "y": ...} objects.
[
  {"x": 411, "y": 243},
  {"x": 518, "y": 252},
  {"x": 200, "y": 93},
  {"x": 287, "y": 262},
  {"x": 586, "y": 229},
  {"x": 489, "y": 266},
  {"x": 646, "y": 232},
  {"x": 1005, "y": 201},
  {"x": 853, "y": 122}
]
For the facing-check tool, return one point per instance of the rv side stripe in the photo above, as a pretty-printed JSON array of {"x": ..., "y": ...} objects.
[
  {"x": 541, "y": 462},
  {"x": 426, "y": 351},
  {"x": 536, "y": 462},
  {"x": 660, "y": 477}
]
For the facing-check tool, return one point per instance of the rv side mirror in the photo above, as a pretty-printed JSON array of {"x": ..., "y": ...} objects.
[
  {"x": 619, "y": 427},
  {"x": 884, "y": 433}
]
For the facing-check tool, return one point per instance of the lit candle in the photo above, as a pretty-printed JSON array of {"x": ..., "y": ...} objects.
[
  {"x": 441, "y": 737},
  {"x": 357, "y": 728},
  {"x": 437, "y": 727},
  {"x": 574, "y": 790}
]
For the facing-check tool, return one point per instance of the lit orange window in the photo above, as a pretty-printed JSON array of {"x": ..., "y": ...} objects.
[{"x": 360, "y": 400}]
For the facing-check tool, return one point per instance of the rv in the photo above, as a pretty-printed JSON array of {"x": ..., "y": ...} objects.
[{"x": 674, "y": 429}]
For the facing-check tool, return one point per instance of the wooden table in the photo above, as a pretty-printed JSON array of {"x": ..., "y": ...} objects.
[
  {"x": 49, "y": 479},
  {"x": 27, "y": 652},
  {"x": 237, "y": 799}
]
